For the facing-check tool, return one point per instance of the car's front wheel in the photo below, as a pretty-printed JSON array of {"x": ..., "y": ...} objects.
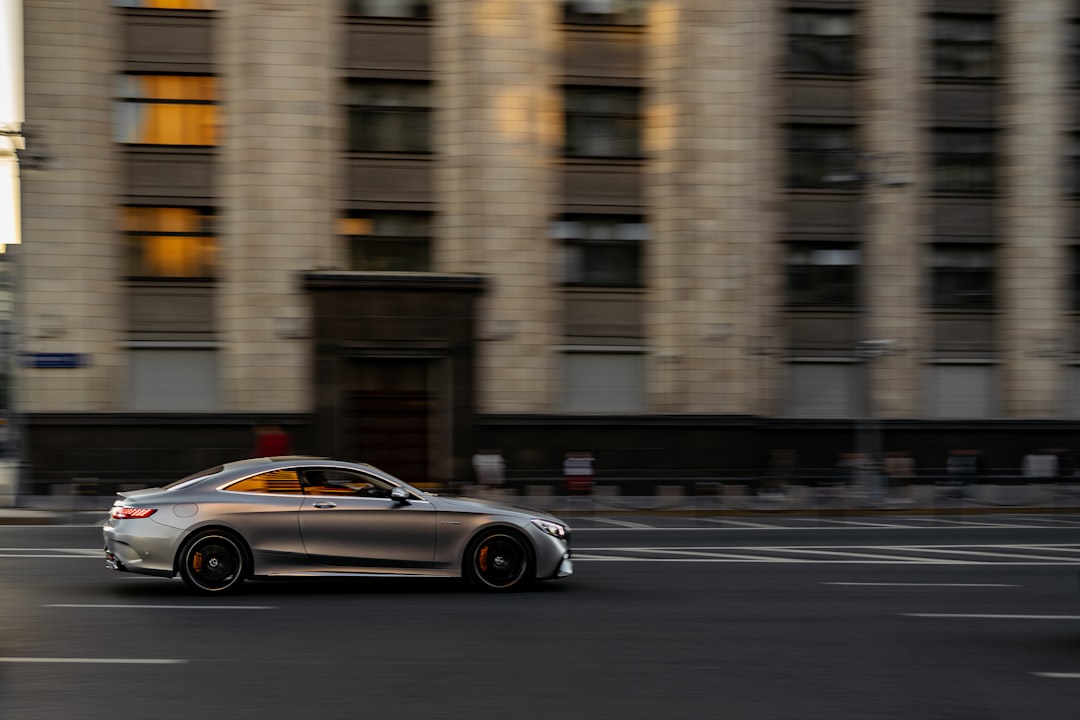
[
  {"x": 499, "y": 561},
  {"x": 213, "y": 562}
]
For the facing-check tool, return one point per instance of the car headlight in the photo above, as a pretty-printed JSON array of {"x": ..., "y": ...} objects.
[{"x": 551, "y": 528}]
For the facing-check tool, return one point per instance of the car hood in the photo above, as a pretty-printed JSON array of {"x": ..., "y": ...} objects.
[{"x": 480, "y": 505}]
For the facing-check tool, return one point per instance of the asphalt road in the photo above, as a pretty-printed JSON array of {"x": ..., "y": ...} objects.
[{"x": 666, "y": 617}]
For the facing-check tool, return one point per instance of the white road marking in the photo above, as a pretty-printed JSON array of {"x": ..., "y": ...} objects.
[
  {"x": 703, "y": 554},
  {"x": 913, "y": 584},
  {"x": 1011, "y": 556},
  {"x": 856, "y": 523},
  {"x": 621, "y": 524},
  {"x": 165, "y": 607},
  {"x": 1059, "y": 675},
  {"x": 973, "y": 524},
  {"x": 98, "y": 661},
  {"x": 838, "y": 554},
  {"x": 991, "y": 616},
  {"x": 54, "y": 556},
  {"x": 745, "y": 524},
  {"x": 847, "y": 553}
]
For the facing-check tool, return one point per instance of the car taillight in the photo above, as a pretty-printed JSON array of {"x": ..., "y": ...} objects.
[{"x": 124, "y": 513}]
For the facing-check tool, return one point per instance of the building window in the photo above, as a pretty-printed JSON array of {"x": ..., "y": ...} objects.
[
  {"x": 170, "y": 242},
  {"x": 820, "y": 42},
  {"x": 603, "y": 122},
  {"x": 1072, "y": 169},
  {"x": 817, "y": 154},
  {"x": 389, "y": 116},
  {"x": 963, "y": 47},
  {"x": 823, "y": 389},
  {"x": 823, "y": 275},
  {"x": 388, "y": 8},
  {"x": 604, "y": 12},
  {"x": 173, "y": 380},
  {"x": 169, "y": 4},
  {"x": 964, "y": 160},
  {"x": 166, "y": 110},
  {"x": 384, "y": 241},
  {"x": 604, "y": 382},
  {"x": 1074, "y": 278},
  {"x": 958, "y": 390},
  {"x": 601, "y": 250},
  {"x": 962, "y": 277}
]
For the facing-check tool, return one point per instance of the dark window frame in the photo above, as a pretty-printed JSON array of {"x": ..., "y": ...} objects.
[
  {"x": 411, "y": 252},
  {"x": 381, "y": 124},
  {"x": 813, "y": 282},
  {"x": 969, "y": 170},
  {"x": 819, "y": 53},
  {"x": 969, "y": 285},
  {"x": 956, "y": 57},
  {"x": 602, "y": 261},
  {"x": 818, "y": 154},
  {"x": 624, "y": 13},
  {"x": 587, "y": 124},
  {"x": 412, "y": 10}
]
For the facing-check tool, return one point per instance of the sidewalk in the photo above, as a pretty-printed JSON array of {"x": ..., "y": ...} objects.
[{"x": 673, "y": 500}]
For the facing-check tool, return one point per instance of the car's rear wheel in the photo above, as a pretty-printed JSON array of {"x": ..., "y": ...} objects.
[
  {"x": 213, "y": 562},
  {"x": 499, "y": 561}
]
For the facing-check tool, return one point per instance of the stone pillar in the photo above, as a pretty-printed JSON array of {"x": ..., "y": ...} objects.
[
  {"x": 71, "y": 255},
  {"x": 713, "y": 263},
  {"x": 278, "y": 183},
  {"x": 1032, "y": 264},
  {"x": 500, "y": 131},
  {"x": 892, "y": 38}
]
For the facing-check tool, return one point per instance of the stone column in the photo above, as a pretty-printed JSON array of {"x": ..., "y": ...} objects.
[
  {"x": 893, "y": 39},
  {"x": 279, "y": 180},
  {"x": 1032, "y": 262},
  {"x": 70, "y": 259},
  {"x": 713, "y": 264},
  {"x": 500, "y": 131}
]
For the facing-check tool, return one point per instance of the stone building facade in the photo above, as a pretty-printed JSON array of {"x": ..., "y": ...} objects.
[{"x": 678, "y": 234}]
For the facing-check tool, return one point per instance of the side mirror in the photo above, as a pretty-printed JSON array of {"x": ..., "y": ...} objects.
[{"x": 400, "y": 496}]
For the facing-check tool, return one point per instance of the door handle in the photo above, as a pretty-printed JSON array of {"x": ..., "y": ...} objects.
[{"x": 324, "y": 505}]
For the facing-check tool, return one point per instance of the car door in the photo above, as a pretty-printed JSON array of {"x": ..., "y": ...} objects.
[{"x": 348, "y": 519}]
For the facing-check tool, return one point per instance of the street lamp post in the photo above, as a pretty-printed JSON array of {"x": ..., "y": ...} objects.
[{"x": 863, "y": 170}]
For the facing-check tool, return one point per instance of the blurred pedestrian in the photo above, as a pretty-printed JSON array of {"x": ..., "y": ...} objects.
[
  {"x": 271, "y": 441},
  {"x": 490, "y": 468}
]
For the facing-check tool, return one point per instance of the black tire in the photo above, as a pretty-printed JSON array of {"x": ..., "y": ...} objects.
[
  {"x": 499, "y": 561},
  {"x": 213, "y": 562}
]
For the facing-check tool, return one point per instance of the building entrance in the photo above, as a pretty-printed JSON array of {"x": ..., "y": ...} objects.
[{"x": 388, "y": 412}]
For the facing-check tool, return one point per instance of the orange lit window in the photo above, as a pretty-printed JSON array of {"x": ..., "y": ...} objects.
[
  {"x": 170, "y": 4},
  {"x": 169, "y": 242},
  {"x": 166, "y": 110}
]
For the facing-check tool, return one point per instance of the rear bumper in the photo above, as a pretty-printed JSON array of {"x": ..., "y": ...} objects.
[{"x": 140, "y": 546}]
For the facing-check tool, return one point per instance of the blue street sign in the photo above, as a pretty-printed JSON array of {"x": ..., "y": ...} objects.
[{"x": 55, "y": 360}]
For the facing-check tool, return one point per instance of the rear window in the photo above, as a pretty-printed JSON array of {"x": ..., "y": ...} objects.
[
  {"x": 273, "y": 482},
  {"x": 194, "y": 476}
]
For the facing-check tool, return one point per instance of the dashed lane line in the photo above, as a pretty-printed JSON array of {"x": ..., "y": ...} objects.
[
  {"x": 915, "y": 584},
  {"x": 95, "y": 661},
  {"x": 990, "y": 616},
  {"x": 162, "y": 607}
]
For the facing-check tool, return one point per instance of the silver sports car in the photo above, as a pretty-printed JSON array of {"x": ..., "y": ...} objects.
[{"x": 304, "y": 516}]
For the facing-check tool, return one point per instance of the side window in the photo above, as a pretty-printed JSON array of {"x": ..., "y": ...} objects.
[
  {"x": 337, "y": 482},
  {"x": 275, "y": 482}
]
